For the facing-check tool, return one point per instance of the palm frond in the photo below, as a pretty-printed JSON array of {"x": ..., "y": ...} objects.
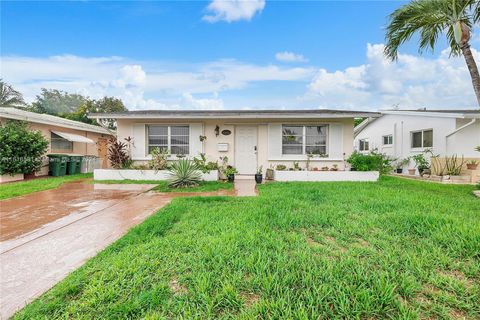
[{"x": 9, "y": 97}]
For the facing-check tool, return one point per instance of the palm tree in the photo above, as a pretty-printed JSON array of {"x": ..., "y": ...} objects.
[
  {"x": 430, "y": 18},
  {"x": 10, "y": 97}
]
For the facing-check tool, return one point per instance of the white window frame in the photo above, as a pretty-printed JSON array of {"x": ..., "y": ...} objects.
[
  {"x": 422, "y": 146},
  {"x": 389, "y": 139},
  {"x": 360, "y": 144},
  {"x": 169, "y": 137},
  {"x": 304, "y": 137}
]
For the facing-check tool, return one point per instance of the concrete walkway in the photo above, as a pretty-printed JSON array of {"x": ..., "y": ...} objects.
[
  {"x": 245, "y": 186},
  {"x": 48, "y": 234}
]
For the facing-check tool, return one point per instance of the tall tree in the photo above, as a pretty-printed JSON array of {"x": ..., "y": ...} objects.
[
  {"x": 430, "y": 18},
  {"x": 57, "y": 102},
  {"x": 10, "y": 97},
  {"x": 104, "y": 105}
]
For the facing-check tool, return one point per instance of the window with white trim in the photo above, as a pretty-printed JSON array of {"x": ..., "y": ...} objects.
[
  {"x": 363, "y": 145},
  {"x": 175, "y": 139},
  {"x": 60, "y": 143},
  {"x": 387, "y": 140},
  {"x": 422, "y": 139},
  {"x": 304, "y": 139}
]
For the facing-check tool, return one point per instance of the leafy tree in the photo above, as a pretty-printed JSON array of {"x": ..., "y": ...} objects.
[
  {"x": 21, "y": 149},
  {"x": 104, "y": 105},
  {"x": 357, "y": 121},
  {"x": 430, "y": 18},
  {"x": 56, "y": 102},
  {"x": 10, "y": 97}
]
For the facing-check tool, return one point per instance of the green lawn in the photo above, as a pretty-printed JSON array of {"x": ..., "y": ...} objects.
[
  {"x": 204, "y": 186},
  {"x": 398, "y": 249},
  {"x": 14, "y": 189}
]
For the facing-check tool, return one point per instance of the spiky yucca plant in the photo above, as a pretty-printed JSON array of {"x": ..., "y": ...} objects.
[{"x": 183, "y": 173}]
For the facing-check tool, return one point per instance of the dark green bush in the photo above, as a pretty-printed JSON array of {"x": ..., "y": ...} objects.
[
  {"x": 21, "y": 149},
  {"x": 372, "y": 161}
]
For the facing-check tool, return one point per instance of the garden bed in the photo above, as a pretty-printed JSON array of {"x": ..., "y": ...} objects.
[
  {"x": 326, "y": 175},
  {"x": 464, "y": 179},
  {"x": 128, "y": 174}
]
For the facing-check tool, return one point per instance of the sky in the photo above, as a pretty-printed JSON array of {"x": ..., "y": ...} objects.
[{"x": 221, "y": 54}]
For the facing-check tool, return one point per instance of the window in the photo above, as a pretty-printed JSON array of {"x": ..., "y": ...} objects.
[
  {"x": 388, "y": 139},
  {"x": 363, "y": 145},
  {"x": 422, "y": 139},
  {"x": 59, "y": 143},
  {"x": 299, "y": 139},
  {"x": 175, "y": 139}
]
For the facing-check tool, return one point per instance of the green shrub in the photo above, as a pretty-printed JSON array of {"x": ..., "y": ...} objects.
[
  {"x": 21, "y": 149},
  {"x": 372, "y": 161},
  {"x": 203, "y": 165},
  {"x": 159, "y": 159},
  {"x": 183, "y": 173}
]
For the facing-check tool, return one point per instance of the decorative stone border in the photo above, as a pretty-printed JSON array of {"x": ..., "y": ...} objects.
[
  {"x": 9, "y": 178},
  {"x": 127, "y": 174},
  {"x": 326, "y": 175}
]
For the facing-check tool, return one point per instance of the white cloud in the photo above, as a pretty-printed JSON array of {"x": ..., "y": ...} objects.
[
  {"x": 233, "y": 10},
  {"x": 411, "y": 82},
  {"x": 287, "y": 56},
  {"x": 142, "y": 85}
]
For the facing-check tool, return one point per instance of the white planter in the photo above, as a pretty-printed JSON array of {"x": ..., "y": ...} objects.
[
  {"x": 326, "y": 175},
  {"x": 9, "y": 178},
  {"x": 113, "y": 174}
]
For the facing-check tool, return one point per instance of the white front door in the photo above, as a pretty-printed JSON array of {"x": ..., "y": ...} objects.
[{"x": 246, "y": 149}]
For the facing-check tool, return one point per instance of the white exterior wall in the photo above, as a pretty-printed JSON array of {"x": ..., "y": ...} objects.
[
  {"x": 340, "y": 139},
  {"x": 400, "y": 126}
]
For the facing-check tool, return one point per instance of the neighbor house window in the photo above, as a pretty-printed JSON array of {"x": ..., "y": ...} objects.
[
  {"x": 388, "y": 139},
  {"x": 175, "y": 139},
  {"x": 422, "y": 139},
  {"x": 300, "y": 139},
  {"x": 363, "y": 145},
  {"x": 59, "y": 143}
]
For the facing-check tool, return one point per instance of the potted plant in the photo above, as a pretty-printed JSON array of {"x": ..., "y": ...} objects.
[
  {"x": 258, "y": 175},
  {"x": 400, "y": 164},
  {"x": 230, "y": 173},
  {"x": 411, "y": 171},
  {"x": 280, "y": 167},
  {"x": 334, "y": 167},
  {"x": 325, "y": 168},
  {"x": 472, "y": 165},
  {"x": 421, "y": 163}
]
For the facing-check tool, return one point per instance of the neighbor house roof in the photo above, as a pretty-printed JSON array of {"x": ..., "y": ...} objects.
[
  {"x": 233, "y": 114},
  {"x": 441, "y": 113},
  {"x": 17, "y": 114}
]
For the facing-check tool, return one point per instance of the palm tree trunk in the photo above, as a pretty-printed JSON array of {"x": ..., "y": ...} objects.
[{"x": 472, "y": 67}]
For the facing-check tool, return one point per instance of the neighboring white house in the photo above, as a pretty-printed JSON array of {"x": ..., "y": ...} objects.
[
  {"x": 403, "y": 133},
  {"x": 249, "y": 138}
]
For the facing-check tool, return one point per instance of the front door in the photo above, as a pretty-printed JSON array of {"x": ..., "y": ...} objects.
[{"x": 246, "y": 149}]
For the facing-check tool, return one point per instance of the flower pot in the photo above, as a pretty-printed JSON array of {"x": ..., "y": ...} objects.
[
  {"x": 411, "y": 171},
  {"x": 399, "y": 170},
  {"x": 472, "y": 166},
  {"x": 231, "y": 177},
  {"x": 258, "y": 178}
]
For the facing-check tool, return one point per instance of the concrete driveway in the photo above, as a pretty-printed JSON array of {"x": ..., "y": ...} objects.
[{"x": 46, "y": 235}]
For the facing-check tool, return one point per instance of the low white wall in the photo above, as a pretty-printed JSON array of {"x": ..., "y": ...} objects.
[
  {"x": 326, "y": 175},
  {"x": 112, "y": 174},
  {"x": 9, "y": 178}
]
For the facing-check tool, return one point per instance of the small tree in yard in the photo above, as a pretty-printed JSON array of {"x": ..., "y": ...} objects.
[{"x": 21, "y": 149}]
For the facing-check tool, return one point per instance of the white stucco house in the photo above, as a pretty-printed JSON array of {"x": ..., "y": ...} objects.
[
  {"x": 249, "y": 138},
  {"x": 403, "y": 133}
]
